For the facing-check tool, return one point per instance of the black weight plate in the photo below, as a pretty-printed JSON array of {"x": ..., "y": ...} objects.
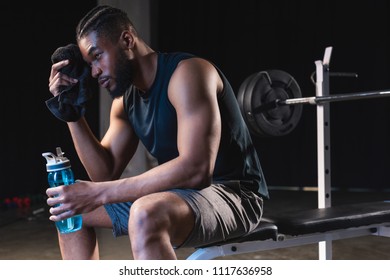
[
  {"x": 244, "y": 98},
  {"x": 263, "y": 88}
]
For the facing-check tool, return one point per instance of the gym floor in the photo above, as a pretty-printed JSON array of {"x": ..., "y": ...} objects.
[{"x": 29, "y": 235}]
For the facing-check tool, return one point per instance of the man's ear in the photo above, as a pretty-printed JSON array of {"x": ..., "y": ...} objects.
[{"x": 127, "y": 38}]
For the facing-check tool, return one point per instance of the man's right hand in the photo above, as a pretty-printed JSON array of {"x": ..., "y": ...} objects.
[{"x": 58, "y": 79}]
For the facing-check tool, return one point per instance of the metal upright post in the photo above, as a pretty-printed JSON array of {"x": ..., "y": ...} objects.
[{"x": 323, "y": 146}]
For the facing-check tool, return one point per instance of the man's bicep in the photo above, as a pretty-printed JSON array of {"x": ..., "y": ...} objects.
[
  {"x": 119, "y": 140},
  {"x": 195, "y": 100}
]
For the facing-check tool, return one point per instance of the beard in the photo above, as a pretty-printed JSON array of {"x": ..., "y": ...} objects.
[{"x": 124, "y": 75}]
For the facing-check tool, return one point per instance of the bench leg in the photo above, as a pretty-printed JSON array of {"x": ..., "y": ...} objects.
[{"x": 325, "y": 251}]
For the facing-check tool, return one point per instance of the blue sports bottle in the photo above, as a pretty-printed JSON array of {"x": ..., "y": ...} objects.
[{"x": 60, "y": 173}]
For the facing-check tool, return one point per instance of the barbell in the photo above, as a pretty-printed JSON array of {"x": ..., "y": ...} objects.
[{"x": 271, "y": 102}]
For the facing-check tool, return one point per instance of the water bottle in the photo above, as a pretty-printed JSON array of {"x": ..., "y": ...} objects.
[{"x": 60, "y": 173}]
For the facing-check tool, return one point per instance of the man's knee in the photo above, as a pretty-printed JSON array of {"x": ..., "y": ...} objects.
[
  {"x": 161, "y": 214},
  {"x": 97, "y": 218},
  {"x": 148, "y": 215}
]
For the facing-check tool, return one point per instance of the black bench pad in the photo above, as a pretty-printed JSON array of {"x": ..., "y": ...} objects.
[
  {"x": 331, "y": 218},
  {"x": 264, "y": 231}
]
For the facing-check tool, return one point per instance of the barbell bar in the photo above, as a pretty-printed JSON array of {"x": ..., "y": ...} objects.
[
  {"x": 271, "y": 102},
  {"x": 316, "y": 100}
]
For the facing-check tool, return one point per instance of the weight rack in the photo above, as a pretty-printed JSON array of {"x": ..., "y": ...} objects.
[{"x": 321, "y": 225}]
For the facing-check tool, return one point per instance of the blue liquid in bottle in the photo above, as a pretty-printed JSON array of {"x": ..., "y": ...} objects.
[{"x": 60, "y": 173}]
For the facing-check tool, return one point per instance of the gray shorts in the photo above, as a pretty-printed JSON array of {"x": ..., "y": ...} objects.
[{"x": 222, "y": 211}]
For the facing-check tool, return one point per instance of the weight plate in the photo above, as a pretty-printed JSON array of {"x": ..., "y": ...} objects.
[{"x": 257, "y": 97}]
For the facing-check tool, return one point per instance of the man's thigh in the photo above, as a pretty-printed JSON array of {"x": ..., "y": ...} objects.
[{"x": 220, "y": 213}]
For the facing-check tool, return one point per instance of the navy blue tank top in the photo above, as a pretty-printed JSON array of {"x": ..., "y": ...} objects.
[{"x": 154, "y": 120}]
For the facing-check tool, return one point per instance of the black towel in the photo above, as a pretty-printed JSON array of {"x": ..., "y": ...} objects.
[{"x": 70, "y": 104}]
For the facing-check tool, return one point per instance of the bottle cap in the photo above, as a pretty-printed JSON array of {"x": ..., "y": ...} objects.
[{"x": 55, "y": 163}]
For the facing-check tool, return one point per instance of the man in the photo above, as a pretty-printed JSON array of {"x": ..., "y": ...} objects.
[{"x": 208, "y": 185}]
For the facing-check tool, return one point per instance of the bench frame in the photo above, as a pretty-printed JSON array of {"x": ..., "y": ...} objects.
[
  {"x": 324, "y": 239},
  {"x": 284, "y": 241}
]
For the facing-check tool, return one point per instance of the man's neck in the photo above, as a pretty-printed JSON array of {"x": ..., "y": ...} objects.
[{"x": 146, "y": 64}]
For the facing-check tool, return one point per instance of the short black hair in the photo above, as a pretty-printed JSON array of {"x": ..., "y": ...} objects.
[{"x": 107, "y": 21}]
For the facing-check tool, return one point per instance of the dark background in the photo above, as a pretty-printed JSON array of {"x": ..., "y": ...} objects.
[
  {"x": 241, "y": 37},
  {"x": 30, "y": 32}
]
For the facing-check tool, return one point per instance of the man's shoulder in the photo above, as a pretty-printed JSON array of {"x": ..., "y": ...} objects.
[{"x": 174, "y": 56}]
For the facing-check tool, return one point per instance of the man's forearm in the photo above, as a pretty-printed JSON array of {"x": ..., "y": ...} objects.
[
  {"x": 177, "y": 173},
  {"x": 92, "y": 154}
]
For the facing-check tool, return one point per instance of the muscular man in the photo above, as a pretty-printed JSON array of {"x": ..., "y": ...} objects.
[{"x": 208, "y": 185}]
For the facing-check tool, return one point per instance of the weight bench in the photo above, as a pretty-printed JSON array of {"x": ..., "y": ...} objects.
[
  {"x": 321, "y": 225},
  {"x": 303, "y": 227}
]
